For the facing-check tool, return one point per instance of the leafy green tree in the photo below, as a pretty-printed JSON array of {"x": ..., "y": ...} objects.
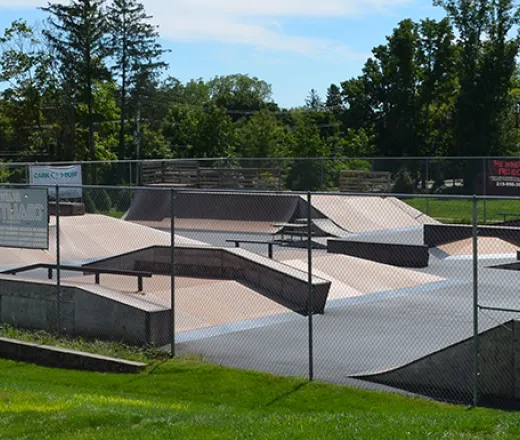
[
  {"x": 263, "y": 135},
  {"x": 24, "y": 73},
  {"x": 486, "y": 72},
  {"x": 240, "y": 95},
  {"x": 308, "y": 174},
  {"x": 200, "y": 132}
]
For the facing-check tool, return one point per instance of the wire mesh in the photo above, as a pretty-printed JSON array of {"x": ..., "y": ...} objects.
[
  {"x": 374, "y": 291},
  {"x": 399, "y": 298}
]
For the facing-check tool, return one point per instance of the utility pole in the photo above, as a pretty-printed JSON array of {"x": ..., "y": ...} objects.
[{"x": 138, "y": 143}]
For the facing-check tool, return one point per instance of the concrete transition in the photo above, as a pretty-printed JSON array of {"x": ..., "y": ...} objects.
[
  {"x": 63, "y": 358},
  {"x": 448, "y": 373},
  {"x": 225, "y": 211}
]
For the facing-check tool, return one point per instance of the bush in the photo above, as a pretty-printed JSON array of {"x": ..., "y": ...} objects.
[
  {"x": 90, "y": 206},
  {"x": 103, "y": 202},
  {"x": 122, "y": 200},
  {"x": 403, "y": 183}
]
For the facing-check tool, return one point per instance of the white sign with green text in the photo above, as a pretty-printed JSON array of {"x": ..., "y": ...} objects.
[
  {"x": 24, "y": 218},
  {"x": 68, "y": 178}
]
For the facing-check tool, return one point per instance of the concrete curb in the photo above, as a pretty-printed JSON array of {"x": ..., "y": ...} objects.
[{"x": 58, "y": 357}]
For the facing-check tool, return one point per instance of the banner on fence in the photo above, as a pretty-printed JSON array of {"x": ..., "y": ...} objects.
[
  {"x": 24, "y": 219},
  {"x": 503, "y": 177},
  {"x": 68, "y": 177}
]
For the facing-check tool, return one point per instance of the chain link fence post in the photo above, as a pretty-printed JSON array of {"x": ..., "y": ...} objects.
[
  {"x": 427, "y": 186},
  {"x": 172, "y": 270},
  {"x": 58, "y": 260},
  {"x": 475, "y": 304},
  {"x": 484, "y": 189},
  {"x": 309, "y": 285}
]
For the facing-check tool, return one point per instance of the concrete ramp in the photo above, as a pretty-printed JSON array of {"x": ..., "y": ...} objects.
[
  {"x": 333, "y": 215},
  {"x": 96, "y": 236},
  {"x": 214, "y": 210},
  {"x": 448, "y": 373},
  {"x": 363, "y": 214}
]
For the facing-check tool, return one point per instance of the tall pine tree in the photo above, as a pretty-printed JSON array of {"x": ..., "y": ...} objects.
[
  {"x": 136, "y": 53},
  {"x": 77, "y": 34}
]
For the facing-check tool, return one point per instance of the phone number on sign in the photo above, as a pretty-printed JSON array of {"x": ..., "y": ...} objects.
[{"x": 509, "y": 184}]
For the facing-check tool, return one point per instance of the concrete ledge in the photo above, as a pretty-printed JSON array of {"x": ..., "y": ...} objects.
[
  {"x": 437, "y": 235},
  {"x": 401, "y": 255},
  {"x": 63, "y": 358},
  {"x": 91, "y": 310}
]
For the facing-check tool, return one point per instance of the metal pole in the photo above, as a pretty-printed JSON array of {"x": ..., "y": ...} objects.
[
  {"x": 58, "y": 258},
  {"x": 172, "y": 271},
  {"x": 309, "y": 285},
  {"x": 484, "y": 188},
  {"x": 427, "y": 188},
  {"x": 475, "y": 305}
]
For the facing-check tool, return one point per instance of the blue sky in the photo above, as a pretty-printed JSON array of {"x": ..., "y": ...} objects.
[{"x": 295, "y": 45}]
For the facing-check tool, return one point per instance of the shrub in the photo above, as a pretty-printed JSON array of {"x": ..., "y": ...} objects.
[{"x": 403, "y": 183}]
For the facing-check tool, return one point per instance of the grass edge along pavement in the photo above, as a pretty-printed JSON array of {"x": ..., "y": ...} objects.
[
  {"x": 195, "y": 400},
  {"x": 460, "y": 210},
  {"x": 103, "y": 348}
]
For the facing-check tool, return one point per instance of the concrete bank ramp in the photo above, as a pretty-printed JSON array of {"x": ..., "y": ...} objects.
[
  {"x": 333, "y": 215},
  {"x": 363, "y": 214},
  {"x": 97, "y": 236},
  {"x": 214, "y": 211},
  {"x": 89, "y": 237},
  {"x": 448, "y": 373}
]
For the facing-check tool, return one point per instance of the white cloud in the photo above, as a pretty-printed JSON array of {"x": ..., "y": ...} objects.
[
  {"x": 256, "y": 23},
  {"x": 250, "y": 22}
]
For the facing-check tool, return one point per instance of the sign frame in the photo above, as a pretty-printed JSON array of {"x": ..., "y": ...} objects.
[
  {"x": 68, "y": 178},
  {"x": 24, "y": 213}
]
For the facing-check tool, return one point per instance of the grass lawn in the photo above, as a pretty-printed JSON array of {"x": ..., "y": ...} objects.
[
  {"x": 192, "y": 400},
  {"x": 103, "y": 348},
  {"x": 461, "y": 211}
]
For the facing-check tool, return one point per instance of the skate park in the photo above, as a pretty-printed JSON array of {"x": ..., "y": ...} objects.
[{"x": 375, "y": 323}]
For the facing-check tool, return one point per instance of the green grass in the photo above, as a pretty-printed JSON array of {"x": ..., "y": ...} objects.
[
  {"x": 114, "y": 213},
  {"x": 461, "y": 211},
  {"x": 104, "y": 348},
  {"x": 193, "y": 400}
]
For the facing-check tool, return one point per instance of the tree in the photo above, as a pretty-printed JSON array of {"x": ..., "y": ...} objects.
[
  {"x": 136, "y": 53},
  {"x": 78, "y": 35},
  {"x": 334, "y": 101},
  {"x": 263, "y": 135},
  {"x": 200, "y": 132},
  {"x": 313, "y": 101},
  {"x": 307, "y": 175},
  {"x": 240, "y": 95},
  {"x": 486, "y": 71},
  {"x": 24, "y": 69}
]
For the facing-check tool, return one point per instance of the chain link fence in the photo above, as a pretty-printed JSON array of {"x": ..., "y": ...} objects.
[
  {"x": 359, "y": 289},
  {"x": 412, "y": 175}
]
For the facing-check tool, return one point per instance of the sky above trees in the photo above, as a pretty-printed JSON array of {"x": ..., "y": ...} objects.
[{"x": 295, "y": 45}]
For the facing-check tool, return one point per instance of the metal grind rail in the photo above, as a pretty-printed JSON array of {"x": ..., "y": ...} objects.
[{"x": 85, "y": 270}]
